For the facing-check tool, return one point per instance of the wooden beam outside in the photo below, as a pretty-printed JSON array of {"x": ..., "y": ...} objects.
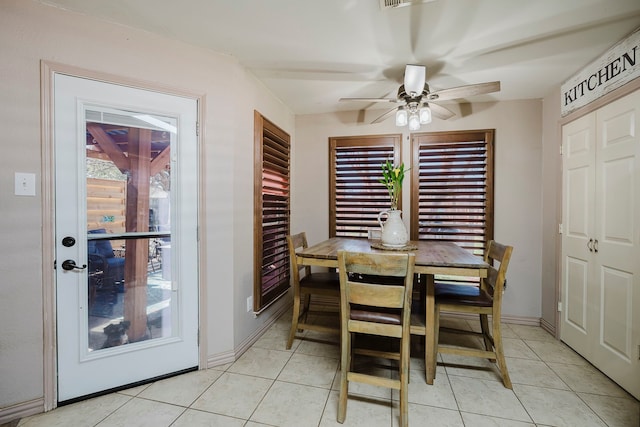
[
  {"x": 160, "y": 162},
  {"x": 137, "y": 219},
  {"x": 110, "y": 147}
]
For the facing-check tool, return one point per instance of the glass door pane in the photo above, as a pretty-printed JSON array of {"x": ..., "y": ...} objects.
[{"x": 128, "y": 186}]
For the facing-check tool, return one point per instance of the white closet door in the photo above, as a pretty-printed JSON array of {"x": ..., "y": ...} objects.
[
  {"x": 617, "y": 260},
  {"x": 578, "y": 141},
  {"x": 601, "y": 240}
]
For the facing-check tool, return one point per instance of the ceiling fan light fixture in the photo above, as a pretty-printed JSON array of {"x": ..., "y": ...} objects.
[
  {"x": 425, "y": 114},
  {"x": 414, "y": 121},
  {"x": 401, "y": 117},
  {"x": 414, "y": 80}
]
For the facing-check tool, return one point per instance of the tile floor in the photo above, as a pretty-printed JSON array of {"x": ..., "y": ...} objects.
[{"x": 271, "y": 386}]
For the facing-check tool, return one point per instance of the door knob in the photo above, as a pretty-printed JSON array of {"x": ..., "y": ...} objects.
[{"x": 70, "y": 264}]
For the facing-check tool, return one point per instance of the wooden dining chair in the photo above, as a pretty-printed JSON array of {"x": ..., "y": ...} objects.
[
  {"x": 378, "y": 308},
  {"x": 319, "y": 284},
  {"x": 484, "y": 300}
]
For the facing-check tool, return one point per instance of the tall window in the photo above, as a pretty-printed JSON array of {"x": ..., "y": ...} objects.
[
  {"x": 452, "y": 188},
  {"x": 271, "y": 212},
  {"x": 357, "y": 196}
]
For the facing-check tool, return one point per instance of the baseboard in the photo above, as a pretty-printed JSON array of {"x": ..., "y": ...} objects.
[
  {"x": 231, "y": 356},
  {"x": 21, "y": 410},
  {"x": 548, "y": 327}
]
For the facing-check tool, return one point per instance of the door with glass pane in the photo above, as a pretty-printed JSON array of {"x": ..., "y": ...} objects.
[{"x": 126, "y": 235}]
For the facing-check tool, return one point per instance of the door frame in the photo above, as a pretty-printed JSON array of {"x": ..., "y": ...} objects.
[{"x": 47, "y": 71}]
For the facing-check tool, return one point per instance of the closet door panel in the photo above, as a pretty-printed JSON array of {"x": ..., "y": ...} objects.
[
  {"x": 617, "y": 261},
  {"x": 578, "y": 147}
]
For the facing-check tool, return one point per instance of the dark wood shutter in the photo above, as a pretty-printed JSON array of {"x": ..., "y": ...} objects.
[
  {"x": 272, "y": 209},
  {"x": 357, "y": 196},
  {"x": 452, "y": 188}
]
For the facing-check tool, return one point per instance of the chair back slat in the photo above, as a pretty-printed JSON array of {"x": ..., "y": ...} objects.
[
  {"x": 295, "y": 242},
  {"x": 500, "y": 254},
  {"x": 372, "y": 291},
  {"x": 376, "y": 295}
]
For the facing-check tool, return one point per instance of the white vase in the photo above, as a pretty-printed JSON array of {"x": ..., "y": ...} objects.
[{"x": 394, "y": 234}]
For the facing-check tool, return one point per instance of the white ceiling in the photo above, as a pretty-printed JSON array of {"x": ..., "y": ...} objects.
[{"x": 310, "y": 53}]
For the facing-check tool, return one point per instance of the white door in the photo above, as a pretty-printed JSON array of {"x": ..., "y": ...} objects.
[
  {"x": 617, "y": 243},
  {"x": 601, "y": 241},
  {"x": 578, "y": 140},
  {"x": 126, "y": 235}
]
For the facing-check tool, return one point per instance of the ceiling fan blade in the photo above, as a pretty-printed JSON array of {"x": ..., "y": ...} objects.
[
  {"x": 464, "y": 91},
  {"x": 370, "y": 99},
  {"x": 414, "y": 79},
  {"x": 440, "y": 112},
  {"x": 384, "y": 116}
]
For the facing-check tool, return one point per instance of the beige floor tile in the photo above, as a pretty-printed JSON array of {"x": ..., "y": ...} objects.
[
  {"x": 183, "y": 389},
  {"x": 515, "y": 347},
  {"x": 615, "y": 411},
  {"x": 143, "y": 413},
  {"x": 134, "y": 391},
  {"x": 310, "y": 370},
  {"x": 534, "y": 372},
  {"x": 587, "y": 379},
  {"x": 320, "y": 344},
  {"x": 222, "y": 367},
  {"x": 472, "y": 367},
  {"x": 276, "y": 339},
  {"x": 233, "y": 395},
  {"x": 260, "y": 362},
  {"x": 291, "y": 405},
  {"x": 559, "y": 408},
  {"x": 476, "y": 420},
  {"x": 527, "y": 332},
  {"x": 361, "y": 412},
  {"x": 193, "y": 418},
  {"x": 487, "y": 398},
  {"x": 85, "y": 413},
  {"x": 447, "y": 321},
  {"x": 552, "y": 384},
  {"x": 429, "y": 416},
  {"x": 284, "y": 321},
  {"x": 506, "y": 330},
  {"x": 439, "y": 394},
  {"x": 555, "y": 351},
  {"x": 464, "y": 340}
]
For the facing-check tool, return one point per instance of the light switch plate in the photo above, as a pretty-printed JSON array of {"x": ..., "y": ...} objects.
[{"x": 25, "y": 184}]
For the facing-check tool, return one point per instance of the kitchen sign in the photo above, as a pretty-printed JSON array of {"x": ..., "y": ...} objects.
[{"x": 619, "y": 65}]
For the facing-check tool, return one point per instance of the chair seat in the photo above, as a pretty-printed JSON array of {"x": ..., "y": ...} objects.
[
  {"x": 321, "y": 280},
  {"x": 376, "y": 315},
  {"x": 462, "y": 295}
]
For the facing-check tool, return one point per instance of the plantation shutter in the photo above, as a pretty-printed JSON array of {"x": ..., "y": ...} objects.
[
  {"x": 357, "y": 196},
  {"x": 452, "y": 182},
  {"x": 271, "y": 206}
]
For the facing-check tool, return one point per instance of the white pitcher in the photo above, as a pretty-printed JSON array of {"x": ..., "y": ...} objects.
[{"x": 394, "y": 234}]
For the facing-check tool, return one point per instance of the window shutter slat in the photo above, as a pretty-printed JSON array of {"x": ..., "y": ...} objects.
[
  {"x": 357, "y": 196},
  {"x": 453, "y": 193}
]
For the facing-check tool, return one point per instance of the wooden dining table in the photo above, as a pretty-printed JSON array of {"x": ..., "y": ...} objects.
[{"x": 431, "y": 258}]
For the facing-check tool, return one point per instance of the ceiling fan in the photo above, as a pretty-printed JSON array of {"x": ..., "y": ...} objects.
[{"x": 418, "y": 103}]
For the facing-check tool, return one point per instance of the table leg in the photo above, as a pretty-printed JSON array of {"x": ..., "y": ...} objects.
[{"x": 430, "y": 352}]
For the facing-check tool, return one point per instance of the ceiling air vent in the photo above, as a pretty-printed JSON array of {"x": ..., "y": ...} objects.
[{"x": 391, "y": 4}]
